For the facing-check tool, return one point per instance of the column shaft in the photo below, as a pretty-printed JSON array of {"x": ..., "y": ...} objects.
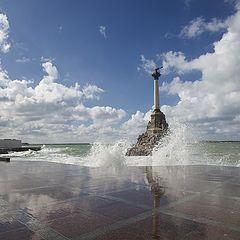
[{"x": 156, "y": 95}]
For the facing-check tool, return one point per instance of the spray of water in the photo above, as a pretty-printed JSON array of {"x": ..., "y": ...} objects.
[
  {"x": 175, "y": 148},
  {"x": 107, "y": 155}
]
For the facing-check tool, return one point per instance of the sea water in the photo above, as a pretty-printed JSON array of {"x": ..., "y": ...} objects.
[
  {"x": 96, "y": 155},
  {"x": 179, "y": 147}
]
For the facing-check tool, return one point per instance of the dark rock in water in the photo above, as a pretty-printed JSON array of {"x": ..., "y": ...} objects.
[
  {"x": 157, "y": 128},
  {"x": 19, "y": 149},
  {"x": 3, "y": 151},
  {"x": 4, "y": 159},
  {"x": 24, "y": 149}
]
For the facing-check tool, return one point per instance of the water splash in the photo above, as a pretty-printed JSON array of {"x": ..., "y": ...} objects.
[
  {"x": 107, "y": 155},
  {"x": 174, "y": 149}
]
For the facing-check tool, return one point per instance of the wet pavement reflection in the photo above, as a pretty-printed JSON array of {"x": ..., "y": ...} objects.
[{"x": 41, "y": 200}]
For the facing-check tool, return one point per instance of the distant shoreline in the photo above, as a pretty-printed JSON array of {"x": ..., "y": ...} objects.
[
  {"x": 62, "y": 144},
  {"x": 202, "y": 141},
  {"x": 215, "y": 141}
]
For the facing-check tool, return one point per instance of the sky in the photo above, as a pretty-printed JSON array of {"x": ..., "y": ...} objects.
[{"x": 80, "y": 71}]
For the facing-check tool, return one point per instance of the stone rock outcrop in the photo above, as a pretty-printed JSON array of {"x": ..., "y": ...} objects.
[{"x": 156, "y": 129}]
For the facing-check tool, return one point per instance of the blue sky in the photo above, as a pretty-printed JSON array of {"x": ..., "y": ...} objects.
[{"x": 67, "y": 34}]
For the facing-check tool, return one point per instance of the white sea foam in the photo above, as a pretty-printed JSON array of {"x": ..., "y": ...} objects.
[{"x": 18, "y": 154}]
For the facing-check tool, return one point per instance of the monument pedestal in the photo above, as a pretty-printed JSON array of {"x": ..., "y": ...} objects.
[
  {"x": 158, "y": 122},
  {"x": 156, "y": 129}
]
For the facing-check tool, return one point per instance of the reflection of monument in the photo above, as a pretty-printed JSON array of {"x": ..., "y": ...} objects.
[
  {"x": 157, "y": 191},
  {"x": 156, "y": 128}
]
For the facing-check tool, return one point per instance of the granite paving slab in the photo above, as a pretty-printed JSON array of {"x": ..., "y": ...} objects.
[{"x": 46, "y": 201}]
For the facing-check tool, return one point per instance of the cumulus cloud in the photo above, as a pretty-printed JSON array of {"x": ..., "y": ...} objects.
[
  {"x": 199, "y": 25},
  {"x": 177, "y": 61},
  {"x": 89, "y": 91},
  {"x": 51, "y": 111},
  {"x": 102, "y": 30},
  {"x": 211, "y": 102},
  {"x": 135, "y": 125},
  {"x": 4, "y": 31}
]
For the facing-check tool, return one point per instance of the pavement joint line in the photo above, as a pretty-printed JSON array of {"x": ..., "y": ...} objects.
[
  {"x": 26, "y": 189},
  {"x": 103, "y": 230},
  {"x": 33, "y": 224},
  {"x": 223, "y": 196},
  {"x": 3, "y": 203},
  {"x": 174, "y": 203},
  {"x": 7, "y": 211},
  {"x": 126, "y": 201},
  {"x": 182, "y": 200},
  {"x": 200, "y": 220},
  {"x": 38, "y": 227},
  {"x": 10, "y": 231},
  {"x": 111, "y": 191},
  {"x": 4, "y": 206},
  {"x": 65, "y": 200},
  {"x": 50, "y": 234},
  {"x": 85, "y": 194},
  {"x": 224, "y": 182},
  {"x": 229, "y": 180}
]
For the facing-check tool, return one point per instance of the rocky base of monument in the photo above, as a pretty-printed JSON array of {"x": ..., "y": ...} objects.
[
  {"x": 157, "y": 128},
  {"x": 145, "y": 144}
]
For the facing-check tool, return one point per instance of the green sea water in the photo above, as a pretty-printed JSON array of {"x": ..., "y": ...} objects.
[{"x": 202, "y": 153}]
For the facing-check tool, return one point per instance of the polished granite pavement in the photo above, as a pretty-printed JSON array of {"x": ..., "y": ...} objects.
[{"x": 41, "y": 200}]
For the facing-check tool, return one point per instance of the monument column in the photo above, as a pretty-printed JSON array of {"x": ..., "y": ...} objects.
[
  {"x": 156, "y": 76},
  {"x": 156, "y": 95}
]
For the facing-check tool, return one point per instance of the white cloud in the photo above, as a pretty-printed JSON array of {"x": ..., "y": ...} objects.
[
  {"x": 4, "y": 31},
  {"x": 106, "y": 115},
  {"x": 136, "y": 125},
  {"x": 89, "y": 91},
  {"x": 211, "y": 102},
  {"x": 52, "y": 72},
  {"x": 51, "y": 111},
  {"x": 102, "y": 30},
  {"x": 23, "y": 60},
  {"x": 199, "y": 25},
  {"x": 47, "y": 59},
  {"x": 176, "y": 61},
  {"x": 147, "y": 65}
]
